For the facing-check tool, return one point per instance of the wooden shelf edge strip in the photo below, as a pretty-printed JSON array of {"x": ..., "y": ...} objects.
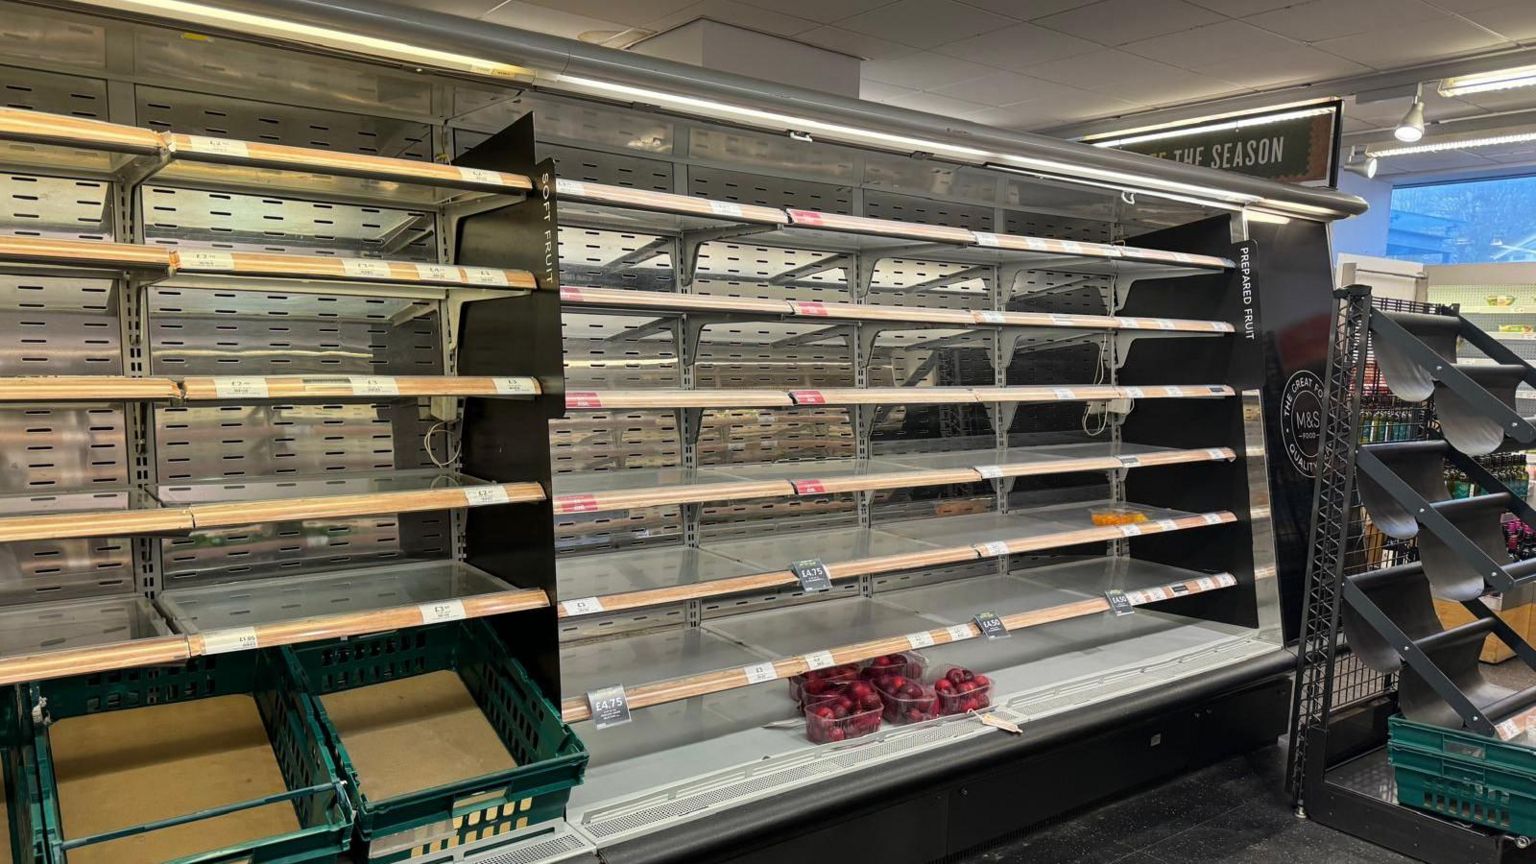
[
  {"x": 212, "y": 388},
  {"x": 233, "y": 513},
  {"x": 665, "y": 202},
  {"x": 83, "y": 253},
  {"x": 61, "y": 130},
  {"x": 575, "y": 709},
  {"x": 278, "y": 265},
  {"x": 93, "y": 523},
  {"x": 157, "y": 651}
]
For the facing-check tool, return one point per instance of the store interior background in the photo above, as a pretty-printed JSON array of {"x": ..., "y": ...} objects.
[{"x": 1071, "y": 68}]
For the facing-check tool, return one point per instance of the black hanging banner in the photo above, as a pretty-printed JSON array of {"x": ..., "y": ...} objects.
[{"x": 1296, "y": 145}]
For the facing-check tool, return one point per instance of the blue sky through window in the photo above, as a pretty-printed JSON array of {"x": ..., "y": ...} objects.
[{"x": 1472, "y": 222}]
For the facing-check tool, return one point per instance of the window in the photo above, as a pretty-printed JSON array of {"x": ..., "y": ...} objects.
[{"x": 1469, "y": 222}]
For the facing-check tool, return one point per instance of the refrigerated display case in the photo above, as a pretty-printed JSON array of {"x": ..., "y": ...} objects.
[{"x": 1033, "y": 411}]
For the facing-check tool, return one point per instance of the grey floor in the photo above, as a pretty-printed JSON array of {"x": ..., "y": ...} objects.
[{"x": 1234, "y": 811}]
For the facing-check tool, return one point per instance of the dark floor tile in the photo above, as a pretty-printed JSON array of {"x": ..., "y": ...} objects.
[
  {"x": 1073, "y": 842},
  {"x": 1254, "y": 832},
  {"x": 1511, "y": 673}
]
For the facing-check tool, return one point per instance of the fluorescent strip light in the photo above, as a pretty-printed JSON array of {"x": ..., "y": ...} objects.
[
  {"x": 1238, "y": 123},
  {"x": 1483, "y": 82},
  {"x": 263, "y": 25},
  {"x": 1133, "y": 182},
  {"x": 1464, "y": 144}
]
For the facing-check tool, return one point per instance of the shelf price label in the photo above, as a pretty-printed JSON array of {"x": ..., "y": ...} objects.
[
  {"x": 1118, "y": 602},
  {"x": 985, "y": 239},
  {"x": 577, "y": 504},
  {"x": 219, "y": 146},
  {"x": 1166, "y": 525},
  {"x": 204, "y": 259},
  {"x": 482, "y": 175},
  {"x": 991, "y": 625},
  {"x": 570, "y": 294},
  {"x": 1133, "y": 392},
  {"x": 819, "y": 660},
  {"x": 583, "y": 399},
  {"x": 1173, "y": 391},
  {"x": 609, "y": 705},
  {"x": 1130, "y": 461},
  {"x": 992, "y": 549},
  {"x": 1130, "y": 530},
  {"x": 812, "y": 575},
  {"x": 573, "y": 188},
  {"x": 373, "y": 385},
  {"x": 1215, "y": 453},
  {"x": 1205, "y": 583},
  {"x": 809, "y": 308},
  {"x": 809, "y": 487},
  {"x": 488, "y": 276},
  {"x": 1226, "y": 580},
  {"x": 229, "y": 639},
  {"x": 807, "y": 397},
  {"x": 363, "y": 268},
  {"x": 757, "y": 673},
  {"x": 920, "y": 639},
  {"x": 990, "y": 472},
  {"x": 987, "y": 316},
  {"x": 582, "y": 606},
  {"x": 1063, "y": 392},
  {"x": 725, "y": 208},
  {"x": 438, "y": 273},
  {"x": 476, "y": 496},
  {"x": 442, "y": 610},
  {"x": 240, "y": 388},
  {"x": 959, "y": 632},
  {"x": 1212, "y": 518},
  {"x": 515, "y": 386},
  {"x": 1216, "y": 390}
]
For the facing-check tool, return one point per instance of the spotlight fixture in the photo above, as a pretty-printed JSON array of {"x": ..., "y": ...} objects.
[
  {"x": 1411, "y": 128},
  {"x": 1361, "y": 163}
]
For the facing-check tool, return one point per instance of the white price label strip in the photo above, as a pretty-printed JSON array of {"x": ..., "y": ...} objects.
[
  {"x": 1063, "y": 392},
  {"x": 582, "y": 606},
  {"x": 230, "y": 639},
  {"x": 1134, "y": 392},
  {"x": 1166, "y": 525},
  {"x": 993, "y": 549},
  {"x": 1205, "y": 583},
  {"x": 482, "y": 175},
  {"x": 725, "y": 208},
  {"x": 921, "y": 639},
  {"x": 514, "y": 386},
  {"x": 573, "y": 188},
  {"x": 1061, "y": 320},
  {"x": 475, "y": 496},
  {"x": 443, "y": 610},
  {"x": 437, "y": 272},
  {"x": 959, "y": 632},
  {"x": 1130, "y": 530},
  {"x": 362, "y": 268},
  {"x": 205, "y": 259},
  {"x": 757, "y": 673},
  {"x": 990, "y": 317},
  {"x": 240, "y": 388},
  {"x": 219, "y": 146},
  {"x": 989, "y": 472},
  {"x": 1173, "y": 392},
  {"x": 1212, "y": 519},
  {"x": 1226, "y": 580},
  {"x": 1216, "y": 453},
  {"x": 1130, "y": 461},
  {"x": 819, "y": 660},
  {"x": 489, "y": 276},
  {"x": 985, "y": 239},
  {"x": 373, "y": 385}
]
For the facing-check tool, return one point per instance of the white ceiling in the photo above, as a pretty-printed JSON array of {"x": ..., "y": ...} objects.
[{"x": 1038, "y": 64}]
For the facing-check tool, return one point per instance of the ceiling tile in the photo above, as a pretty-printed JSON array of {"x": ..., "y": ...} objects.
[
  {"x": 1388, "y": 46},
  {"x": 1219, "y": 44},
  {"x": 1515, "y": 21},
  {"x": 825, "y": 11},
  {"x": 1300, "y": 65},
  {"x": 1018, "y": 47},
  {"x": 634, "y": 13},
  {"x": 1127, "y": 76},
  {"x": 1008, "y": 88},
  {"x": 1025, "y": 10},
  {"x": 1330, "y": 19},
  {"x": 851, "y": 43},
  {"x": 925, "y": 23},
  {"x": 530, "y": 17},
  {"x": 923, "y": 70},
  {"x": 467, "y": 8},
  {"x": 1239, "y": 8},
  {"x": 879, "y": 91},
  {"x": 1461, "y": 7},
  {"x": 739, "y": 14},
  {"x": 1116, "y": 22},
  {"x": 944, "y": 106}
]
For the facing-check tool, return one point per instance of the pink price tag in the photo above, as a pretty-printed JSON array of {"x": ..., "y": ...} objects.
[
  {"x": 807, "y": 397},
  {"x": 806, "y": 217},
  {"x": 578, "y": 503},
  {"x": 571, "y": 294},
  {"x": 809, "y": 487},
  {"x": 583, "y": 399},
  {"x": 810, "y": 307}
]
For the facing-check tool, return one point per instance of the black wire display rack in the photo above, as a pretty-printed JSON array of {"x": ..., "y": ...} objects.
[{"x": 1357, "y": 662}]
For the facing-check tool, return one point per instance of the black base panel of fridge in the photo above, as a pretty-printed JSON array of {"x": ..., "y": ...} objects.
[{"x": 978, "y": 793}]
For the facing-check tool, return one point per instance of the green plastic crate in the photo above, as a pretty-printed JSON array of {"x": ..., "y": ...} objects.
[
  {"x": 18, "y": 769},
  {"x": 551, "y": 759},
  {"x": 325, "y": 815},
  {"x": 1464, "y": 775}
]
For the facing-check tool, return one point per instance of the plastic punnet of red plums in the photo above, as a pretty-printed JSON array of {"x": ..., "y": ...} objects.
[
  {"x": 854, "y": 713},
  {"x": 907, "y": 663},
  {"x": 907, "y": 700},
  {"x": 821, "y": 682},
  {"x": 961, "y": 690}
]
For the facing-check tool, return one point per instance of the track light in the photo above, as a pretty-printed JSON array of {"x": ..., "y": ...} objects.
[
  {"x": 1411, "y": 128},
  {"x": 1361, "y": 163}
]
